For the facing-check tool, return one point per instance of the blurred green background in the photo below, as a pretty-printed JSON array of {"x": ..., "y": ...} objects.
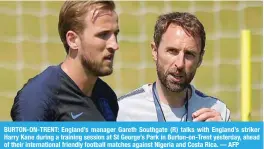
[{"x": 30, "y": 42}]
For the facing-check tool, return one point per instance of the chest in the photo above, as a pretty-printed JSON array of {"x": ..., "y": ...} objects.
[{"x": 77, "y": 108}]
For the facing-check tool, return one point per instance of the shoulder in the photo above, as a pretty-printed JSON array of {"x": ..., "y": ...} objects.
[
  {"x": 44, "y": 83},
  {"x": 134, "y": 103},
  {"x": 35, "y": 97},
  {"x": 139, "y": 93},
  {"x": 205, "y": 99}
]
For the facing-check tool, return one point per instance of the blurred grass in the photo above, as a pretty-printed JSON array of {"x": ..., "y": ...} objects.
[{"x": 228, "y": 20}]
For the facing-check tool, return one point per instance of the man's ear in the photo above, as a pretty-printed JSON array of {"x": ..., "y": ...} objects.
[
  {"x": 72, "y": 40},
  {"x": 154, "y": 51},
  {"x": 201, "y": 58}
]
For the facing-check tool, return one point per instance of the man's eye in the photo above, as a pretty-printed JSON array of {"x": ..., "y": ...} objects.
[
  {"x": 103, "y": 35},
  {"x": 190, "y": 55},
  {"x": 172, "y": 51}
]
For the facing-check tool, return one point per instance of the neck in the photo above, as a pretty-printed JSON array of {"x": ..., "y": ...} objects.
[
  {"x": 173, "y": 99},
  {"x": 83, "y": 79}
]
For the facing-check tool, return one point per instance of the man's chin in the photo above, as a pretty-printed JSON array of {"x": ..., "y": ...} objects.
[
  {"x": 175, "y": 87},
  {"x": 105, "y": 71}
]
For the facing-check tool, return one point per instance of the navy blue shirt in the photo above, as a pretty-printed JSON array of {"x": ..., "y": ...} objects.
[{"x": 53, "y": 96}]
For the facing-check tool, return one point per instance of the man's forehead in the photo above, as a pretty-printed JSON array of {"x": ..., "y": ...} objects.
[
  {"x": 94, "y": 14},
  {"x": 105, "y": 20},
  {"x": 176, "y": 32}
]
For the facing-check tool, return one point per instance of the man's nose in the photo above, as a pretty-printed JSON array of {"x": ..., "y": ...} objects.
[
  {"x": 112, "y": 43},
  {"x": 179, "y": 61}
]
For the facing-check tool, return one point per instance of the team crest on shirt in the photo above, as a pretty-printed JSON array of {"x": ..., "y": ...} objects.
[{"x": 106, "y": 109}]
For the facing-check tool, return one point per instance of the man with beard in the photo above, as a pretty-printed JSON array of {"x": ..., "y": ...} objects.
[
  {"x": 178, "y": 49},
  {"x": 72, "y": 91}
]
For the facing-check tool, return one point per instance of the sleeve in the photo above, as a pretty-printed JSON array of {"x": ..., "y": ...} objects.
[
  {"x": 228, "y": 117},
  {"x": 28, "y": 107},
  {"x": 225, "y": 113}
]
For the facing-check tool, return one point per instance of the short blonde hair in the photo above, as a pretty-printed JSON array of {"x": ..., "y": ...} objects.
[{"x": 73, "y": 13}]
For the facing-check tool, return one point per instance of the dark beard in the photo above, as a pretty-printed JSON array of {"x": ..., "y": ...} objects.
[
  {"x": 172, "y": 86},
  {"x": 94, "y": 68}
]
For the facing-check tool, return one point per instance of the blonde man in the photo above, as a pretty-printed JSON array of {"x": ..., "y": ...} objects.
[{"x": 72, "y": 90}]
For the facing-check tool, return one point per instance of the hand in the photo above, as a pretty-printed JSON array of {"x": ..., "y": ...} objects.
[{"x": 206, "y": 114}]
